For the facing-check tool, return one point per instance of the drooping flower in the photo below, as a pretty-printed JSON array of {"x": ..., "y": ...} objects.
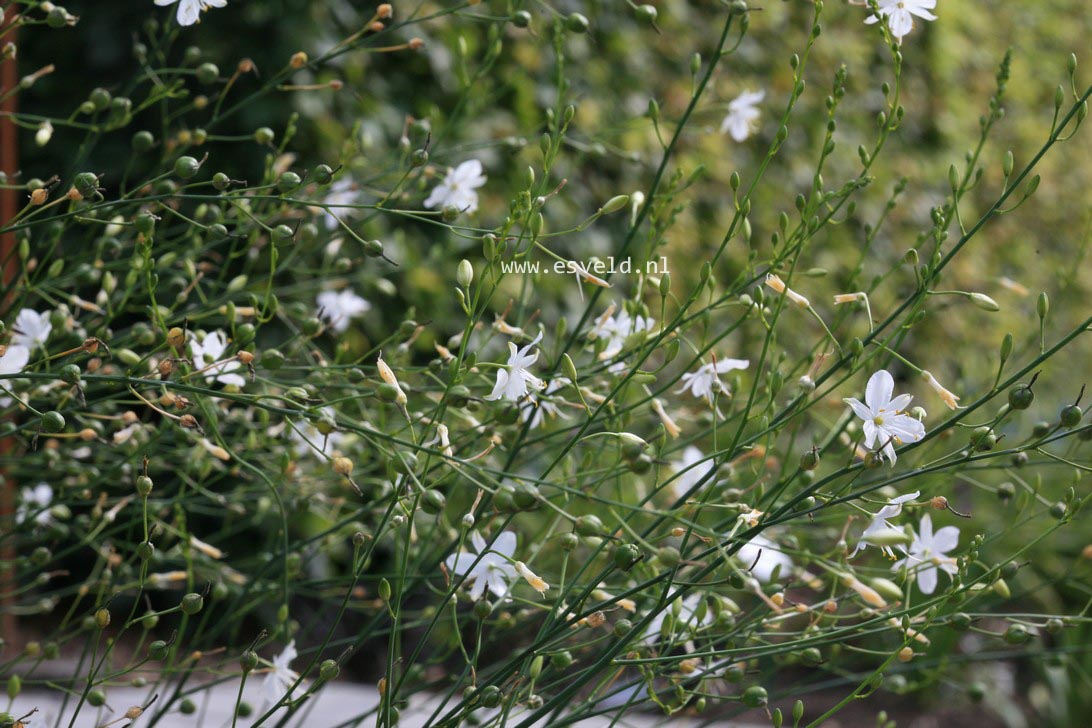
[
  {"x": 340, "y": 307},
  {"x": 488, "y": 567},
  {"x": 537, "y": 582},
  {"x": 900, "y": 14},
  {"x": 31, "y": 328},
  {"x": 762, "y": 556},
  {"x": 774, "y": 281},
  {"x": 35, "y": 501},
  {"x": 885, "y": 423},
  {"x": 947, "y": 397},
  {"x": 211, "y": 349},
  {"x": 929, "y": 552},
  {"x": 692, "y": 467},
  {"x": 514, "y": 380},
  {"x": 880, "y": 525},
  {"x": 705, "y": 382},
  {"x": 742, "y": 114},
  {"x": 189, "y": 11},
  {"x": 458, "y": 188},
  {"x": 280, "y": 677},
  {"x": 13, "y": 358}
]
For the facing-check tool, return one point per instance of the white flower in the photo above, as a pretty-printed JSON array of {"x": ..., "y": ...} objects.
[
  {"x": 341, "y": 193},
  {"x": 31, "y": 328},
  {"x": 879, "y": 523},
  {"x": 948, "y": 398},
  {"x": 458, "y": 188},
  {"x": 189, "y": 11},
  {"x": 536, "y": 410},
  {"x": 44, "y": 133},
  {"x": 705, "y": 382},
  {"x": 928, "y": 552},
  {"x": 514, "y": 379},
  {"x": 280, "y": 676},
  {"x": 742, "y": 115},
  {"x": 615, "y": 330},
  {"x": 339, "y": 307},
  {"x": 691, "y": 467},
  {"x": 212, "y": 349},
  {"x": 493, "y": 568},
  {"x": 306, "y": 437},
  {"x": 13, "y": 358},
  {"x": 764, "y": 555},
  {"x": 884, "y": 423},
  {"x": 688, "y": 608},
  {"x": 37, "y": 500},
  {"x": 899, "y": 14}
]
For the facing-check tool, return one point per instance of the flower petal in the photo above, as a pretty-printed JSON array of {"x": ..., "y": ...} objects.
[{"x": 879, "y": 389}]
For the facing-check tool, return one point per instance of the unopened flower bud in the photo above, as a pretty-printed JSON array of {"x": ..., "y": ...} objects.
[
  {"x": 342, "y": 466},
  {"x": 298, "y": 60}
]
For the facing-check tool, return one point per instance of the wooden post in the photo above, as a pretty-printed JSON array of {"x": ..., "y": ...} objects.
[{"x": 9, "y": 207}]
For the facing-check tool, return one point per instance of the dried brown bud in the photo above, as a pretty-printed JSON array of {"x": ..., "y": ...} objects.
[
  {"x": 87, "y": 434},
  {"x": 939, "y": 502},
  {"x": 415, "y": 44},
  {"x": 376, "y": 27},
  {"x": 91, "y": 345},
  {"x": 336, "y": 85},
  {"x": 134, "y": 712},
  {"x": 342, "y": 466},
  {"x": 384, "y": 11},
  {"x": 166, "y": 367},
  {"x": 245, "y": 66},
  {"x": 129, "y": 417},
  {"x": 299, "y": 60},
  {"x": 596, "y": 620},
  {"x": 73, "y": 194},
  {"x": 39, "y": 196},
  {"x": 245, "y": 357},
  {"x": 188, "y": 421}
]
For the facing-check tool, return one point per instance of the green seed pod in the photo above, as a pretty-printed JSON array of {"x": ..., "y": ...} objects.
[
  {"x": 187, "y": 707},
  {"x": 157, "y": 650},
  {"x": 329, "y": 670},
  {"x": 208, "y": 73},
  {"x": 1054, "y": 625},
  {"x": 419, "y": 158},
  {"x": 143, "y": 485},
  {"x": 626, "y": 555},
  {"x": 1042, "y": 305},
  {"x": 810, "y": 459},
  {"x": 373, "y": 248},
  {"x": 1007, "y": 163},
  {"x": 52, "y": 421},
  {"x": 41, "y": 556},
  {"x": 576, "y": 23},
  {"x": 490, "y": 696},
  {"x": 221, "y": 181},
  {"x": 669, "y": 556},
  {"x": 70, "y": 374},
  {"x": 142, "y": 142},
  {"x": 96, "y": 698},
  {"x": 86, "y": 183},
  {"x": 186, "y": 167},
  {"x": 1070, "y": 416},
  {"x": 589, "y": 526},
  {"x": 811, "y": 657},
  {"x": 561, "y": 660},
  {"x": 192, "y": 603},
  {"x": 15, "y": 686},
  {"x": 288, "y": 182},
  {"x": 248, "y": 661},
  {"x": 432, "y": 502},
  {"x": 145, "y": 550},
  {"x": 569, "y": 541},
  {"x": 323, "y": 174},
  {"x": 1021, "y": 397},
  {"x": 622, "y": 627},
  {"x": 1016, "y": 634},
  {"x": 102, "y": 618},
  {"x": 144, "y": 222},
  {"x": 1058, "y": 511},
  {"x": 521, "y": 19},
  {"x": 754, "y": 696},
  {"x": 405, "y": 463},
  {"x": 526, "y": 496},
  {"x": 282, "y": 234},
  {"x": 264, "y": 136}
]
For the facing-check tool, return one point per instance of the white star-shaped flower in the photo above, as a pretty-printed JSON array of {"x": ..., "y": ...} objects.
[
  {"x": 35, "y": 500},
  {"x": 211, "y": 349},
  {"x": 31, "y": 328},
  {"x": 742, "y": 114},
  {"x": 692, "y": 466},
  {"x": 884, "y": 421},
  {"x": 458, "y": 188},
  {"x": 705, "y": 382},
  {"x": 488, "y": 567},
  {"x": 929, "y": 552},
  {"x": 900, "y": 14},
  {"x": 879, "y": 523},
  {"x": 536, "y": 410},
  {"x": 280, "y": 677},
  {"x": 340, "y": 307},
  {"x": 13, "y": 358},
  {"x": 189, "y": 11},
  {"x": 514, "y": 381}
]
